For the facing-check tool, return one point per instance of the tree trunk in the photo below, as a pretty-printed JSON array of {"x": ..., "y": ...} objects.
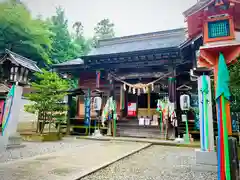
[
  {"x": 49, "y": 124},
  {"x": 44, "y": 122},
  {"x": 37, "y": 129},
  {"x": 59, "y": 128}
]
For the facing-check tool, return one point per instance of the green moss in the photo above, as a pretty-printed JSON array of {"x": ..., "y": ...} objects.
[{"x": 42, "y": 137}]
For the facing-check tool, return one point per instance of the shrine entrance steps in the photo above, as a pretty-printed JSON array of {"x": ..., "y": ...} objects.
[{"x": 131, "y": 128}]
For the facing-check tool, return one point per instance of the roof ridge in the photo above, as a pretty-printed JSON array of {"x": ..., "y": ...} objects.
[
  {"x": 29, "y": 60},
  {"x": 196, "y": 7},
  {"x": 139, "y": 37}
]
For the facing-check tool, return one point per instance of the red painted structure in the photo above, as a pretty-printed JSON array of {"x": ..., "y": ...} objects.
[
  {"x": 219, "y": 23},
  {"x": 198, "y": 17},
  {"x": 199, "y": 13}
]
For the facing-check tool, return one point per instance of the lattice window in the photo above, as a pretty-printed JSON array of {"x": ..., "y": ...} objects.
[{"x": 218, "y": 29}]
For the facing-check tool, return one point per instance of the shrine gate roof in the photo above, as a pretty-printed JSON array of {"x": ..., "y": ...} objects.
[
  {"x": 200, "y": 5},
  {"x": 196, "y": 7},
  {"x": 148, "y": 41},
  {"x": 20, "y": 60}
]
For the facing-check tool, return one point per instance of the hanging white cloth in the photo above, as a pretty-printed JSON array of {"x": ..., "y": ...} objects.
[
  {"x": 141, "y": 121},
  {"x": 147, "y": 121},
  {"x": 155, "y": 120}
]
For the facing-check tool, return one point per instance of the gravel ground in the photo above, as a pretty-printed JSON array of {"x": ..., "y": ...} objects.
[
  {"x": 39, "y": 148},
  {"x": 154, "y": 163}
]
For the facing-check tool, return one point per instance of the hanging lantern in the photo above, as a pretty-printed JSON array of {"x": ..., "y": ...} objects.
[{"x": 185, "y": 102}]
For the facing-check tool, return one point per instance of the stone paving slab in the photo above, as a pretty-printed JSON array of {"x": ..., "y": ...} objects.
[
  {"x": 141, "y": 140},
  {"x": 69, "y": 164}
]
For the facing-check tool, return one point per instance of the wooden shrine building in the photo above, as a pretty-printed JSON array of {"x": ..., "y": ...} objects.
[{"x": 161, "y": 60}]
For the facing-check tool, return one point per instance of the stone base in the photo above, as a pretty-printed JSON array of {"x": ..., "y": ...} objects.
[
  {"x": 2, "y": 144},
  {"x": 14, "y": 140},
  {"x": 204, "y": 168},
  {"x": 97, "y": 133},
  {"x": 186, "y": 138},
  {"x": 206, "y": 161},
  {"x": 15, "y": 146}
]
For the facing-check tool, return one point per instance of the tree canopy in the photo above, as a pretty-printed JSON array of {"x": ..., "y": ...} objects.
[
  {"x": 22, "y": 34},
  {"x": 62, "y": 46},
  {"x": 48, "y": 91},
  {"x": 235, "y": 86},
  {"x": 46, "y": 41},
  {"x": 48, "y": 94},
  {"x": 103, "y": 30}
]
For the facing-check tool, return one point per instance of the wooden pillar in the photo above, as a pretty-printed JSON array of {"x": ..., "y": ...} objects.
[
  {"x": 172, "y": 87},
  {"x": 126, "y": 103},
  {"x": 112, "y": 94},
  {"x": 69, "y": 113},
  {"x": 149, "y": 101},
  {"x": 194, "y": 58},
  {"x": 78, "y": 113},
  {"x": 172, "y": 98}
]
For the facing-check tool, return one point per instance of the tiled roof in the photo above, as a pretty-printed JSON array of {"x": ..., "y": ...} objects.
[
  {"x": 203, "y": 4},
  {"x": 199, "y": 6},
  {"x": 147, "y": 41},
  {"x": 77, "y": 61},
  {"x": 25, "y": 62},
  {"x": 4, "y": 88}
]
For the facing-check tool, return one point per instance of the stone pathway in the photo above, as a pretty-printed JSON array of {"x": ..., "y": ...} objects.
[
  {"x": 142, "y": 140},
  {"x": 155, "y": 163},
  {"x": 70, "y": 163},
  {"x": 40, "y": 148}
]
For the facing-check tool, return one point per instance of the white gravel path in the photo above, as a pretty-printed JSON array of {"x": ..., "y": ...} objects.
[
  {"x": 39, "y": 148},
  {"x": 154, "y": 163}
]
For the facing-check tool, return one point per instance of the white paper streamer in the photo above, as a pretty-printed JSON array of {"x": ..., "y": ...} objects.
[
  {"x": 124, "y": 87},
  {"x": 134, "y": 91}
]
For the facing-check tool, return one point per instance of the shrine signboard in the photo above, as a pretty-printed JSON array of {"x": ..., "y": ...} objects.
[{"x": 132, "y": 109}]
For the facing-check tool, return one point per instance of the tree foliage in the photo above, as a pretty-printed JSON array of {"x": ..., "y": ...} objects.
[
  {"x": 235, "y": 86},
  {"x": 66, "y": 46},
  {"x": 49, "y": 90},
  {"x": 62, "y": 47},
  {"x": 82, "y": 44},
  {"x": 22, "y": 34},
  {"x": 103, "y": 30},
  {"x": 47, "y": 95}
]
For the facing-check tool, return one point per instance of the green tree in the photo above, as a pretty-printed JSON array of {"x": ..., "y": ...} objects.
[
  {"x": 47, "y": 96},
  {"x": 62, "y": 47},
  {"x": 235, "y": 86},
  {"x": 22, "y": 34},
  {"x": 81, "y": 44},
  {"x": 103, "y": 30}
]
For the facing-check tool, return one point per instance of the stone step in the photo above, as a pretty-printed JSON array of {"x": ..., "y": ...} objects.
[
  {"x": 136, "y": 126},
  {"x": 140, "y": 132},
  {"x": 127, "y": 122}
]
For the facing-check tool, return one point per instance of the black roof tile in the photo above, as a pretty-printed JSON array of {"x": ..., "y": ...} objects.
[
  {"x": 147, "y": 41},
  {"x": 25, "y": 62}
]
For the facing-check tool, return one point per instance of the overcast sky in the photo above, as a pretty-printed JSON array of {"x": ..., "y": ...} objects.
[{"x": 129, "y": 16}]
